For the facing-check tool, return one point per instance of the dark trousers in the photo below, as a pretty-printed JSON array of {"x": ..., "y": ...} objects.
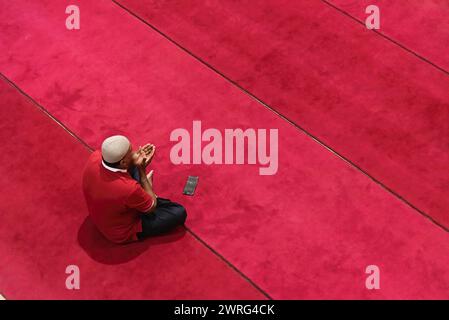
[{"x": 166, "y": 216}]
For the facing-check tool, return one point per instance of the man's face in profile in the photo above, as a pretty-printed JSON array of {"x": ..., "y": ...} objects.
[{"x": 128, "y": 160}]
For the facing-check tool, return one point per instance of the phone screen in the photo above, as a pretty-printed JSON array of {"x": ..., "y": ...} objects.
[{"x": 190, "y": 186}]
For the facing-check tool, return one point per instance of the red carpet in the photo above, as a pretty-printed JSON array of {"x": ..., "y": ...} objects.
[
  {"x": 365, "y": 97},
  {"x": 43, "y": 228},
  {"x": 422, "y": 26},
  {"x": 310, "y": 230}
]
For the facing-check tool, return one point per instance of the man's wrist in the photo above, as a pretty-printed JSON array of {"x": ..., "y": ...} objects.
[
  {"x": 141, "y": 169},
  {"x": 142, "y": 174}
]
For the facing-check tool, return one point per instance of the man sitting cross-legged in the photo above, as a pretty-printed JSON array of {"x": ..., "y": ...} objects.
[{"x": 120, "y": 197}]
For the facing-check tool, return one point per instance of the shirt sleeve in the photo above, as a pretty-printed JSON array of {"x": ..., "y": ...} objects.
[{"x": 139, "y": 200}]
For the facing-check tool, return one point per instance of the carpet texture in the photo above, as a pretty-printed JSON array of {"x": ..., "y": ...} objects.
[
  {"x": 365, "y": 97},
  {"x": 44, "y": 229},
  {"x": 310, "y": 230},
  {"x": 421, "y": 26}
]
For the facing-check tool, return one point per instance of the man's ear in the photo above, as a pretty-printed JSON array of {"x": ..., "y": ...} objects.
[{"x": 123, "y": 164}]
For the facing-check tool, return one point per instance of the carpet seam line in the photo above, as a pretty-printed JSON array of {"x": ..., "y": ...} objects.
[
  {"x": 301, "y": 129},
  {"x": 388, "y": 38},
  {"x": 90, "y": 149}
]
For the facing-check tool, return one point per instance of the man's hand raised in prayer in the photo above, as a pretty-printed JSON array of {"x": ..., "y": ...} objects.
[
  {"x": 144, "y": 155},
  {"x": 148, "y": 152}
]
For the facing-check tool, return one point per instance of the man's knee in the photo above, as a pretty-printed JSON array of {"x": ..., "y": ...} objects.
[{"x": 181, "y": 214}]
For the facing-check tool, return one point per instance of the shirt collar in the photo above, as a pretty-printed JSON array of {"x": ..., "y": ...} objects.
[{"x": 113, "y": 169}]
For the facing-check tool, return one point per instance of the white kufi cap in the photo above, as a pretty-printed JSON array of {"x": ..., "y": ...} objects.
[{"x": 115, "y": 148}]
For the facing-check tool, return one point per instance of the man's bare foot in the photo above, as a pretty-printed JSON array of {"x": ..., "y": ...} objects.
[
  {"x": 150, "y": 176},
  {"x": 150, "y": 179}
]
